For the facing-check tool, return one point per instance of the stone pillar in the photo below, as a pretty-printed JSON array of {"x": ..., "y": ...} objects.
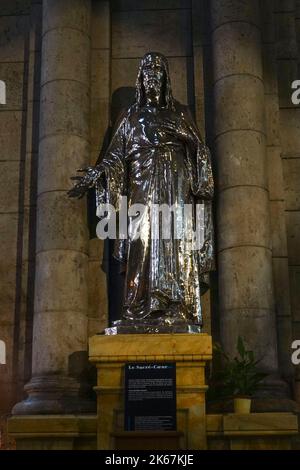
[
  {"x": 60, "y": 316},
  {"x": 243, "y": 221}
]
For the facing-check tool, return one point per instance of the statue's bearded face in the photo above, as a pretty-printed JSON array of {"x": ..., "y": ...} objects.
[{"x": 153, "y": 77}]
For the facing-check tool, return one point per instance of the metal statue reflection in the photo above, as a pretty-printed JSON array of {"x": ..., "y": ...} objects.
[{"x": 156, "y": 155}]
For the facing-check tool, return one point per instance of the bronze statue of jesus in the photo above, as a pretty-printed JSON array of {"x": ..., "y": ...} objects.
[{"x": 156, "y": 156}]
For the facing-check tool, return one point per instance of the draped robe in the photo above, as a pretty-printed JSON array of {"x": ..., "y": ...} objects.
[{"x": 156, "y": 156}]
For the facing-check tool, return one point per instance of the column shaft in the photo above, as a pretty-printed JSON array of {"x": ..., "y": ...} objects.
[{"x": 244, "y": 251}]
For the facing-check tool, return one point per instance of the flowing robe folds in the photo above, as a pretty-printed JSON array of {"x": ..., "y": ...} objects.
[{"x": 156, "y": 156}]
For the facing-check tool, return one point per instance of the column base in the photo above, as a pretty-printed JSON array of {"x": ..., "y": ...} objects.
[{"x": 54, "y": 394}]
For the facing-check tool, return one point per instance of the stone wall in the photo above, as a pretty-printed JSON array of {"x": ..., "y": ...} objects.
[
  {"x": 100, "y": 98},
  {"x": 276, "y": 189},
  {"x": 19, "y": 68},
  {"x": 288, "y": 54},
  {"x": 121, "y": 32}
]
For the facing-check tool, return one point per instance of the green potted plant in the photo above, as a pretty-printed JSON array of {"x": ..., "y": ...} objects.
[{"x": 238, "y": 377}]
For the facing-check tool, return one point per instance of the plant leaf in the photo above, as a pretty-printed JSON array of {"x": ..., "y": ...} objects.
[{"x": 241, "y": 347}]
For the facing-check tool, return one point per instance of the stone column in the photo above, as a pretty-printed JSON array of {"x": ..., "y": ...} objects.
[
  {"x": 243, "y": 222},
  {"x": 60, "y": 317}
]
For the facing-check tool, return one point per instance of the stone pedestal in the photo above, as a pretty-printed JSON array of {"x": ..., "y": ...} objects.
[{"x": 190, "y": 352}]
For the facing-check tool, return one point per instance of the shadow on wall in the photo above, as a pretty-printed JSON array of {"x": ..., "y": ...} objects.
[{"x": 122, "y": 98}]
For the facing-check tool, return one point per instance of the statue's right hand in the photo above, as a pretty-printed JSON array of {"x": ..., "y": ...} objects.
[{"x": 85, "y": 182}]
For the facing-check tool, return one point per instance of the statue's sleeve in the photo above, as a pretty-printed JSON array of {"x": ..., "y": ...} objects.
[
  {"x": 111, "y": 185},
  {"x": 202, "y": 186},
  {"x": 198, "y": 161}
]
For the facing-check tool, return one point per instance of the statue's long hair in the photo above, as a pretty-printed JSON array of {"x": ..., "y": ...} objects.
[{"x": 140, "y": 91}]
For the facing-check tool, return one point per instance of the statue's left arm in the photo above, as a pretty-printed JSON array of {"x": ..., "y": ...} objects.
[{"x": 108, "y": 176}]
